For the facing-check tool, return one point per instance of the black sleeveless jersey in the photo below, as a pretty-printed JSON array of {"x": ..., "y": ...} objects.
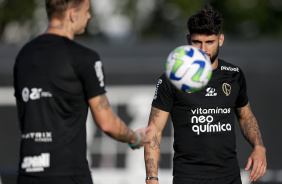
[
  {"x": 53, "y": 79},
  {"x": 203, "y": 121}
]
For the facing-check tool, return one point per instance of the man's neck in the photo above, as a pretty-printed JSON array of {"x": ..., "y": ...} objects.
[
  {"x": 61, "y": 28},
  {"x": 215, "y": 64}
]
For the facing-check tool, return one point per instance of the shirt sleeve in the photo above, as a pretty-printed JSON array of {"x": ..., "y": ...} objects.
[
  {"x": 242, "y": 98},
  {"x": 163, "y": 98},
  {"x": 91, "y": 73}
]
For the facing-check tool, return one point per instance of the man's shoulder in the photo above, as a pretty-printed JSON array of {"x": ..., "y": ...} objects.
[
  {"x": 28, "y": 46},
  {"x": 163, "y": 79},
  {"x": 82, "y": 50},
  {"x": 62, "y": 41}
]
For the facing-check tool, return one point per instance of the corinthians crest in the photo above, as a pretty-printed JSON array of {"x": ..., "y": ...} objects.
[{"x": 226, "y": 88}]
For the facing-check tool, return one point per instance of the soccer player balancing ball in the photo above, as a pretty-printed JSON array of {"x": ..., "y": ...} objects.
[{"x": 188, "y": 68}]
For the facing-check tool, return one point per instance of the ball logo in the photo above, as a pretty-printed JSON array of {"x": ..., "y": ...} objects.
[
  {"x": 198, "y": 74},
  {"x": 226, "y": 88},
  {"x": 178, "y": 62},
  {"x": 176, "y": 66}
]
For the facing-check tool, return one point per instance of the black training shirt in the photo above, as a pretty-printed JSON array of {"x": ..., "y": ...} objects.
[
  {"x": 53, "y": 79},
  {"x": 204, "y": 135}
]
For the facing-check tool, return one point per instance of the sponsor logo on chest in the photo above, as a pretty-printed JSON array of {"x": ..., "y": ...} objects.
[
  {"x": 38, "y": 136},
  {"x": 228, "y": 68},
  {"x": 36, "y": 163},
  {"x": 202, "y": 120},
  {"x": 211, "y": 92},
  {"x": 34, "y": 94}
]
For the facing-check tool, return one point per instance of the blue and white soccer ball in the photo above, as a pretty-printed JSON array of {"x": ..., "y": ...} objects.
[{"x": 188, "y": 68}]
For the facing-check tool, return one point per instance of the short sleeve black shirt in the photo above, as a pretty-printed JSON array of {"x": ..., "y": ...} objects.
[
  {"x": 203, "y": 121},
  {"x": 53, "y": 79}
]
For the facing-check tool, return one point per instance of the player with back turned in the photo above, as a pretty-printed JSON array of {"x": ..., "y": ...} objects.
[
  {"x": 203, "y": 121},
  {"x": 55, "y": 81}
]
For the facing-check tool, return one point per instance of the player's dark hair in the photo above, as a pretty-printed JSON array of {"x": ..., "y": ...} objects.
[
  {"x": 207, "y": 21},
  {"x": 57, "y": 8}
]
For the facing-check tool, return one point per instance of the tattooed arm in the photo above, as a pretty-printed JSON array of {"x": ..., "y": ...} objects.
[
  {"x": 157, "y": 120},
  {"x": 251, "y": 132},
  {"x": 112, "y": 125}
]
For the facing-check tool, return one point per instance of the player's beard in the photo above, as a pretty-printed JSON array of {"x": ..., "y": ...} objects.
[{"x": 213, "y": 57}]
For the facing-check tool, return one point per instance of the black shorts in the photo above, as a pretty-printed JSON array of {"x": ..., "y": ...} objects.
[
  {"x": 26, "y": 179},
  {"x": 226, "y": 180}
]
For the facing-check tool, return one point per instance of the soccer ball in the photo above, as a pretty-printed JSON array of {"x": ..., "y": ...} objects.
[{"x": 188, "y": 68}]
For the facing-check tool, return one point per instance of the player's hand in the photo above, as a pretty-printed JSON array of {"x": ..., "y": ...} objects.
[
  {"x": 144, "y": 139},
  {"x": 258, "y": 160}
]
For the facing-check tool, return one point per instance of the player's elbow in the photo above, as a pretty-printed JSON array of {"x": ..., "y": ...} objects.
[
  {"x": 111, "y": 126},
  {"x": 107, "y": 122},
  {"x": 107, "y": 128}
]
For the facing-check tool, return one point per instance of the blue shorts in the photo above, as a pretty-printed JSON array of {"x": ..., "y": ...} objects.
[
  {"x": 26, "y": 179},
  {"x": 225, "y": 180}
]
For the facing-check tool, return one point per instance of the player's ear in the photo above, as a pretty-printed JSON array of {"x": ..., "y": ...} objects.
[
  {"x": 73, "y": 14},
  {"x": 188, "y": 37},
  {"x": 221, "y": 39}
]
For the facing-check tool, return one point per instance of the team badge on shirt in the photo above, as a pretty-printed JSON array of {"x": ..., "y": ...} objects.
[{"x": 226, "y": 88}]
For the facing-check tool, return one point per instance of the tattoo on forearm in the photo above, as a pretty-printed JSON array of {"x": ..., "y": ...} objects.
[
  {"x": 155, "y": 144},
  {"x": 150, "y": 167},
  {"x": 125, "y": 134},
  {"x": 251, "y": 131},
  {"x": 150, "y": 172},
  {"x": 103, "y": 103},
  {"x": 249, "y": 126},
  {"x": 150, "y": 163},
  {"x": 154, "y": 113},
  {"x": 146, "y": 153}
]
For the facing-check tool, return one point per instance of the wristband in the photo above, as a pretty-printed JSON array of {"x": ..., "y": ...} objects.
[
  {"x": 152, "y": 178},
  {"x": 137, "y": 142}
]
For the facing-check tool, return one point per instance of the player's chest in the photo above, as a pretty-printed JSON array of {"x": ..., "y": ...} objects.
[{"x": 221, "y": 91}]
